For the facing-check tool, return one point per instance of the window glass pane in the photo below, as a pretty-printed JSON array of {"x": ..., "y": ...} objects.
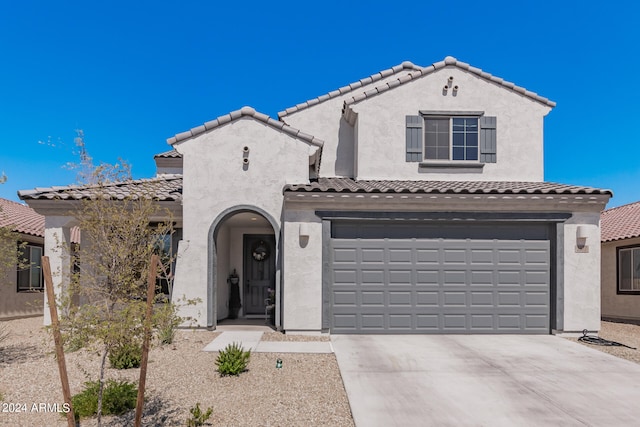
[
  {"x": 458, "y": 153},
  {"x": 23, "y": 279},
  {"x": 443, "y": 153},
  {"x": 472, "y": 140},
  {"x": 635, "y": 284},
  {"x": 430, "y": 152},
  {"x": 472, "y": 153},
  {"x": 436, "y": 139},
  {"x": 458, "y": 140},
  {"x": 36, "y": 270},
  {"x": 624, "y": 270},
  {"x": 458, "y": 125}
]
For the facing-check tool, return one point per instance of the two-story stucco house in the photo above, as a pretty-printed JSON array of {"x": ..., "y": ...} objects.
[{"x": 411, "y": 201}]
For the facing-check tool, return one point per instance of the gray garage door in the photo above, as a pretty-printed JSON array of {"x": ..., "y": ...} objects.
[{"x": 439, "y": 284}]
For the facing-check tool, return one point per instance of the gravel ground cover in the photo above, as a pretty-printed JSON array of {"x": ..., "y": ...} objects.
[
  {"x": 623, "y": 333},
  {"x": 306, "y": 391}
]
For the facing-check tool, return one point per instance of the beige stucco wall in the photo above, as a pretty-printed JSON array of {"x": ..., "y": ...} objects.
[
  {"x": 324, "y": 121},
  {"x": 302, "y": 272},
  {"x": 579, "y": 273},
  {"x": 381, "y": 128},
  {"x": 216, "y": 180},
  {"x": 624, "y": 307},
  {"x": 15, "y": 304}
]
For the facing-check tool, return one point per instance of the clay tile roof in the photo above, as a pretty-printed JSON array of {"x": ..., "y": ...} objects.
[
  {"x": 619, "y": 223},
  {"x": 245, "y": 112},
  {"x": 348, "y": 185},
  {"x": 405, "y": 66},
  {"x": 171, "y": 154},
  {"x": 448, "y": 61},
  {"x": 22, "y": 219},
  {"x": 164, "y": 188}
]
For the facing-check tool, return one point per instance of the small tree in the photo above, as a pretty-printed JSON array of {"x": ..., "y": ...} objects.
[{"x": 105, "y": 302}]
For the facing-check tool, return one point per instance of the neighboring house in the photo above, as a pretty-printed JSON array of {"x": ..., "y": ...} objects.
[
  {"x": 621, "y": 263},
  {"x": 411, "y": 201},
  {"x": 21, "y": 289}
]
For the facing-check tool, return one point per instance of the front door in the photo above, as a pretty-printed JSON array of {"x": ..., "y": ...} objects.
[{"x": 259, "y": 271}]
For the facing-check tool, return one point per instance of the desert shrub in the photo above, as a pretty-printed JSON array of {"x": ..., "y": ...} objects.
[
  {"x": 198, "y": 418},
  {"x": 166, "y": 321},
  {"x": 232, "y": 360},
  {"x": 125, "y": 355},
  {"x": 118, "y": 398}
]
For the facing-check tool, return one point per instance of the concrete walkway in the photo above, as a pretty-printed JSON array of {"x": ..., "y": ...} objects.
[
  {"x": 471, "y": 380},
  {"x": 251, "y": 340}
]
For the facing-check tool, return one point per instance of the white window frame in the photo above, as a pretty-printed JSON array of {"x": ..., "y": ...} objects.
[
  {"x": 33, "y": 257},
  {"x": 450, "y": 115}
]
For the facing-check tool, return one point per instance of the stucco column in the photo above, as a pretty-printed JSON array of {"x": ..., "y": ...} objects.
[{"x": 57, "y": 240}]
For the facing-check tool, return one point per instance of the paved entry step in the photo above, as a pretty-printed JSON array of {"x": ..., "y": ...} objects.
[{"x": 251, "y": 340}]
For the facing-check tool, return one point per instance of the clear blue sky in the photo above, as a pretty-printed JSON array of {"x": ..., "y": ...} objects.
[{"x": 131, "y": 74}]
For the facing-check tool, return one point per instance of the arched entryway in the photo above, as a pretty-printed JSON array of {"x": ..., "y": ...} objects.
[{"x": 243, "y": 243}]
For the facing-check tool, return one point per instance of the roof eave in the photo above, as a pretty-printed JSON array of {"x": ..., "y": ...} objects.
[{"x": 238, "y": 114}]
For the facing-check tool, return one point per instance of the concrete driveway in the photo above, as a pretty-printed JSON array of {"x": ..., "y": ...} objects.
[{"x": 474, "y": 380}]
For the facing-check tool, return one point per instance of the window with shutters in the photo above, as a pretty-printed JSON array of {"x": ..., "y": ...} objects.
[{"x": 451, "y": 138}]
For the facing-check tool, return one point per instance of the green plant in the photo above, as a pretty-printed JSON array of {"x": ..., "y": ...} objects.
[
  {"x": 125, "y": 355},
  {"x": 232, "y": 360},
  {"x": 166, "y": 321},
  {"x": 198, "y": 418},
  {"x": 118, "y": 398}
]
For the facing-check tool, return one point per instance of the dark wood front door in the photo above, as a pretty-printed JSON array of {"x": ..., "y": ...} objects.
[{"x": 259, "y": 271}]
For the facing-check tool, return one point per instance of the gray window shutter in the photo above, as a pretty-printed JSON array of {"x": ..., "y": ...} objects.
[
  {"x": 414, "y": 138},
  {"x": 487, "y": 139}
]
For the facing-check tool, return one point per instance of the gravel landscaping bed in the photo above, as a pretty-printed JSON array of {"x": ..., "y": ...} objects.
[
  {"x": 623, "y": 333},
  {"x": 306, "y": 391}
]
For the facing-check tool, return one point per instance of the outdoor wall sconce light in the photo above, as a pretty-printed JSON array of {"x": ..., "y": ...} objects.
[
  {"x": 450, "y": 80},
  {"x": 279, "y": 363},
  {"x": 581, "y": 237},
  {"x": 245, "y": 149},
  {"x": 304, "y": 230},
  {"x": 245, "y": 161}
]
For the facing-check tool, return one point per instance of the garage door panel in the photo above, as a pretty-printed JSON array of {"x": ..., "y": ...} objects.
[
  {"x": 373, "y": 277},
  {"x": 400, "y": 256},
  {"x": 427, "y": 256},
  {"x": 397, "y": 298},
  {"x": 427, "y": 277},
  {"x": 439, "y": 286},
  {"x": 424, "y": 298},
  {"x": 373, "y": 298},
  {"x": 372, "y": 255}
]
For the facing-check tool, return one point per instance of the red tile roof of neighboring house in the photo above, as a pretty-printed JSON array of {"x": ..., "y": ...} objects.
[
  {"x": 25, "y": 220},
  {"x": 619, "y": 223}
]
